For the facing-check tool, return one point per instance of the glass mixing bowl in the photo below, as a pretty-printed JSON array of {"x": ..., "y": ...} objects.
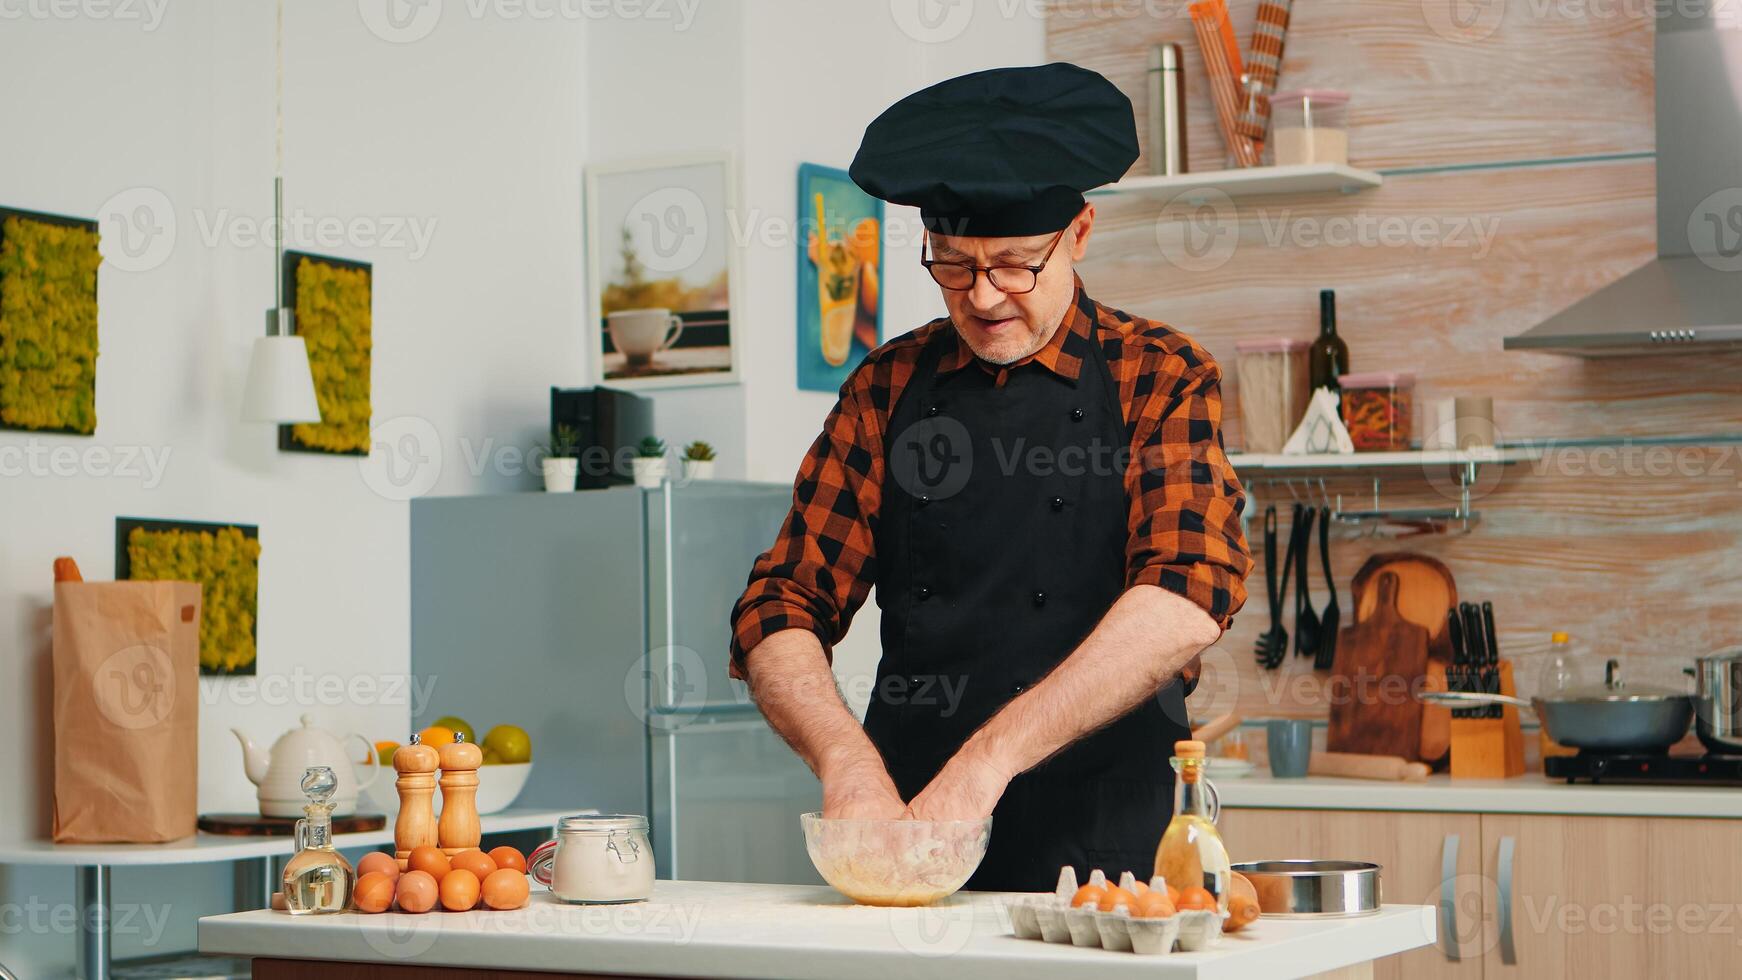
[{"x": 895, "y": 862}]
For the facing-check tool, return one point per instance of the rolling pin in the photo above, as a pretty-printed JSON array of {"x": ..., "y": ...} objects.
[
  {"x": 1349, "y": 765},
  {"x": 1215, "y": 728}
]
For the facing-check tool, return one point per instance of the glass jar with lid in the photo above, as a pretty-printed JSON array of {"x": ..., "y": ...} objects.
[
  {"x": 1274, "y": 386},
  {"x": 596, "y": 859}
]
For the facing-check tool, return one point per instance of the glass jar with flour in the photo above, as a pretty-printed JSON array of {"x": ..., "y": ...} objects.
[{"x": 1309, "y": 125}]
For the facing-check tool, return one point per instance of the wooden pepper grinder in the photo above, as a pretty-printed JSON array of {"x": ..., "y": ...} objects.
[
  {"x": 416, "y": 827},
  {"x": 459, "y": 828}
]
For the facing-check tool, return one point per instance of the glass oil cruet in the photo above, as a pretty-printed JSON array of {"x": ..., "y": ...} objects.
[
  {"x": 1191, "y": 854},
  {"x": 318, "y": 879}
]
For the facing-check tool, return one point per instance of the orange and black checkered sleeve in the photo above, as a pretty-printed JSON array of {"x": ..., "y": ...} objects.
[
  {"x": 1185, "y": 533},
  {"x": 822, "y": 564}
]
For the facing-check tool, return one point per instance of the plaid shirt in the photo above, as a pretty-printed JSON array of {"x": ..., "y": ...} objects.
[{"x": 1183, "y": 500}]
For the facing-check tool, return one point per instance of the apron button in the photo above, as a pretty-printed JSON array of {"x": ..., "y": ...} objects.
[
  {"x": 1058, "y": 503},
  {"x": 923, "y": 593},
  {"x": 924, "y": 499},
  {"x": 1040, "y": 598},
  {"x": 1076, "y": 415},
  {"x": 931, "y": 410},
  {"x": 1018, "y": 687}
]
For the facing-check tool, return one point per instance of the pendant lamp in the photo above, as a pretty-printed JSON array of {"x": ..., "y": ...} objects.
[{"x": 280, "y": 387}]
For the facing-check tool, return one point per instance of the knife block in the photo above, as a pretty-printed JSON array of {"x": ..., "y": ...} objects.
[{"x": 1489, "y": 748}]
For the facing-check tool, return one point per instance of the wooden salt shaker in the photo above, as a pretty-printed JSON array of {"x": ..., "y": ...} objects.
[
  {"x": 459, "y": 829},
  {"x": 416, "y": 826}
]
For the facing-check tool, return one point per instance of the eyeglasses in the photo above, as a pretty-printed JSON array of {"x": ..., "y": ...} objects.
[{"x": 1014, "y": 279}]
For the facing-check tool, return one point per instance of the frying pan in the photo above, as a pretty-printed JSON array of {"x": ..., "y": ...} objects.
[{"x": 1611, "y": 718}]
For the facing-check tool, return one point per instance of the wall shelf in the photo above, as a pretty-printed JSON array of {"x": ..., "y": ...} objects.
[
  {"x": 1299, "y": 178},
  {"x": 1278, "y": 462}
]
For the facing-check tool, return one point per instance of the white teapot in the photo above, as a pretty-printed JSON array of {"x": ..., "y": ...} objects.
[{"x": 279, "y": 774}]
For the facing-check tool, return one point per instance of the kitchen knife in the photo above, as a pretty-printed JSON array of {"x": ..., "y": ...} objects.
[
  {"x": 1477, "y": 655},
  {"x": 1493, "y": 655},
  {"x": 1455, "y": 677}
]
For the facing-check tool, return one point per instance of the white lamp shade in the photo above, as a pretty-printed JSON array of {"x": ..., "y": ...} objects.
[{"x": 280, "y": 387}]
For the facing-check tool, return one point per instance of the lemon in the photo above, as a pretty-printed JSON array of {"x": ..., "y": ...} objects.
[
  {"x": 384, "y": 752},
  {"x": 510, "y": 743},
  {"x": 459, "y": 726}
]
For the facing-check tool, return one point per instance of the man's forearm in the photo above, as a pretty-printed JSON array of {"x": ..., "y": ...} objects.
[
  {"x": 1141, "y": 643},
  {"x": 791, "y": 682}
]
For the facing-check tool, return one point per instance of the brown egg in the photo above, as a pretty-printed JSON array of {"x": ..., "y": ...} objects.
[
  {"x": 506, "y": 888},
  {"x": 374, "y": 892},
  {"x": 508, "y": 857},
  {"x": 1087, "y": 895},
  {"x": 1115, "y": 896},
  {"x": 418, "y": 891},
  {"x": 1152, "y": 904},
  {"x": 376, "y": 861},
  {"x": 429, "y": 860},
  {"x": 459, "y": 890},
  {"x": 475, "y": 861}
]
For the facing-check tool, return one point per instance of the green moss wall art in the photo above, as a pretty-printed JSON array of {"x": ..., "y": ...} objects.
[
  {"x": 48, "y": 323},
  {"x": 332, "y": 300},
  {"x": 223, "y": 558}
]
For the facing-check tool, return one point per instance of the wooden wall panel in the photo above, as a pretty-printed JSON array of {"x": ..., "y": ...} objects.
[
  {"x": 1544, "y": 80},
  {"x": 1633, "y": 552}
]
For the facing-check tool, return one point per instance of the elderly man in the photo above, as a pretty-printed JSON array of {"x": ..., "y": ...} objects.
[{"x": 1037, "y": 488}]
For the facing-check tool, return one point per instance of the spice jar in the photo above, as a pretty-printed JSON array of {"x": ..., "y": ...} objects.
[
  {"x": 596, "y": 859},
  {"x": 1309, "y": 125},
  {"x": 1377, "y": 408},
  {"x": 1274, "y": 388}
]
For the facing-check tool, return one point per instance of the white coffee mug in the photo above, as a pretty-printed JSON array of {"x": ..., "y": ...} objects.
[{"x": 640, "y": 334}]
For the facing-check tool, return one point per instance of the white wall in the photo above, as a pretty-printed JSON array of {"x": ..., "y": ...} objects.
[{"x": 473, "y": 131}]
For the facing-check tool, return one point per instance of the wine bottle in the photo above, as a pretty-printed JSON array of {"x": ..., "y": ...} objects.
[{"x": 1330, "y": 356}]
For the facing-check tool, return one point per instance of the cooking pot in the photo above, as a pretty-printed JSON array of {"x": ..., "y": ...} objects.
[
  {"x": 1718, "y": 700},
  {"x": 1615, "y": 717}
]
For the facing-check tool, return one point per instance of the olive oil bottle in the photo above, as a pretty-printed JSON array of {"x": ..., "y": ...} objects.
[
  {"x": 1191, "y": 854},
  {"x": 318, "y": 879}
]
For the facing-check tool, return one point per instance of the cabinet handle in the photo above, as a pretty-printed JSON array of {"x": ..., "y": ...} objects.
[
  {"x": 1508, "y": 951},
  {"x": 1449, "y": 898}
]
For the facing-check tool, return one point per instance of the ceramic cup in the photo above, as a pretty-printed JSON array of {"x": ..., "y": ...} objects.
[
  {"x": 1290, "y": 743},
  {"x": 640, "y": 334}
]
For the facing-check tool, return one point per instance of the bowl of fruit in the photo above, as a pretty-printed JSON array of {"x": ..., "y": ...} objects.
[
  {"x": 895, "y": 862},
  {"x": 507, "y": 765}
]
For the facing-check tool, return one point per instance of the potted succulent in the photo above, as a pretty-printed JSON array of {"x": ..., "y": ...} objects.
[
  {"x": 698, "y": 461},
  {"x": 563, "y": 462},
  {"x": 650, "y": 463}
]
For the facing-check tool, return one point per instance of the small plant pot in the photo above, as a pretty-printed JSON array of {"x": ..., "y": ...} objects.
[
  {"x": 698, "y": 469},
  {"x": 650, "y": 471},
  {"x": 560, "y": 473}
]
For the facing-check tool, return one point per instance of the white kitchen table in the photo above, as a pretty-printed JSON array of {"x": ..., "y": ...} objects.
[
  {"x": 716, "y": 929},
  {"x": 93, "y": 861}
]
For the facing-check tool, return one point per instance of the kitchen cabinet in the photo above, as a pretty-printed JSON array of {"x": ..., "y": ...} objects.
[
  {"x": 1534, "y": 895},
  {"x": 1415, "y": 850}
]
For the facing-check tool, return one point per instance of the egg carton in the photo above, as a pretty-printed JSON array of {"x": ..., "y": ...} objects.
[{"x": 1050, "y": 918}]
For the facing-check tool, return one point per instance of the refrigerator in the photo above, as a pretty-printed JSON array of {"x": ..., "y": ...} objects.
[{"x": 599, "y": 621}]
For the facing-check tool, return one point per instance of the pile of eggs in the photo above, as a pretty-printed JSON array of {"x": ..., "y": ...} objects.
[{"x": 457, "y": 883}]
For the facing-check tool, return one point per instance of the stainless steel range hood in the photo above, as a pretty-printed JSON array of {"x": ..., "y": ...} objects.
[{"x": 1690, "y": 296}]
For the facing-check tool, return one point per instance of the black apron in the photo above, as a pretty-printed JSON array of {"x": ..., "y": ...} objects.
[{"x": 1000, "y": 545}]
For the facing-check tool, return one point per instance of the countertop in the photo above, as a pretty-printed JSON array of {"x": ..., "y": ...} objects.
[
  {"x": 715, "y": 929},
  {"x": 1530, "y": 793},
  {"x": 202, "y": 846}
]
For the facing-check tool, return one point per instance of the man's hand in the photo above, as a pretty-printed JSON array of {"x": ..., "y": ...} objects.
[
  {"x": 966, "y": 788},
  {"x": 859, "y": 794}
]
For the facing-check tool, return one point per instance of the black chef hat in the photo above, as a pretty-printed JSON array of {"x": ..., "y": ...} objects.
[{"x": 1000, "y": 153}]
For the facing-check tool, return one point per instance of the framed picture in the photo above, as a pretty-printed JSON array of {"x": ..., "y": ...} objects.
[
  {"x": 223, "y": 558},
  {"x": 662, "y": 272},
  {"x": 334, "y": 316},
  {"x": 48, "y": 322},
  {"x": 840, "y": 276}
]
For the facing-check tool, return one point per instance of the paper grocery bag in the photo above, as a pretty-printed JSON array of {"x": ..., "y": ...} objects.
[{"x": 126, "y": 711}]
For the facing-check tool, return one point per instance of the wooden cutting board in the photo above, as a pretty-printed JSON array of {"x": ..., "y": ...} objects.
[
  {"x": 1426, "y": 591},
  {"x": 1380, "y": 663}
]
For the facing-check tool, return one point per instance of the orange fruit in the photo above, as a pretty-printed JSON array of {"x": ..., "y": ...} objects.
[
  {"x": 436, "y": 735},
  {"x": 1197, "y": 898},
  {"x": 1087, "y": 895}
]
